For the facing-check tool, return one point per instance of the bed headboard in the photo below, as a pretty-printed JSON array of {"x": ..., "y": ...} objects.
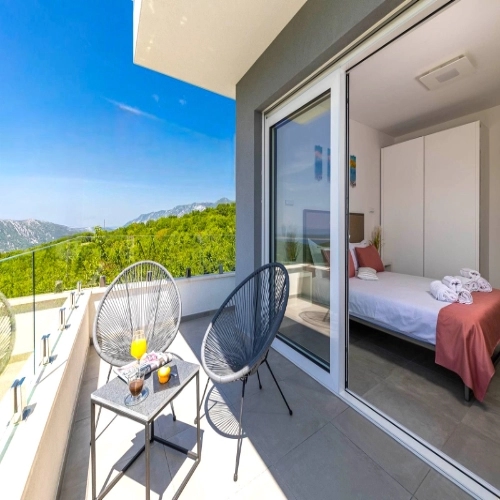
[{"x": 356, "y": 228}]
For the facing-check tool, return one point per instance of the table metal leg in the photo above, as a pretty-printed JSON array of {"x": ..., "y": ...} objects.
[
  {"x": 147, "y": 447},
  {"x": 152, "y": 436},
  {"x": 198, "y": 438},
  {"x": 92, "y": 449}
]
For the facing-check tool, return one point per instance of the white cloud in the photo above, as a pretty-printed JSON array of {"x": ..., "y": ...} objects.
[
  {"x": 182, "y": 102},
  {"x": 131, "y": 109},
  {"x": 156, "y": 97}
]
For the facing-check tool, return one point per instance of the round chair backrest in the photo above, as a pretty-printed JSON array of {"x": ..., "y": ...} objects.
[
  {"x": 143, "y": 296},
  {"x": 242, "y": 330}
]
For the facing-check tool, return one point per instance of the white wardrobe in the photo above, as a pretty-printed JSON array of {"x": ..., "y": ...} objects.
[{"x": 434, "y": 203}]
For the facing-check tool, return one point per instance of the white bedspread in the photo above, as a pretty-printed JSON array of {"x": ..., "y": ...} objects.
[{"x": 398, "y": 302}]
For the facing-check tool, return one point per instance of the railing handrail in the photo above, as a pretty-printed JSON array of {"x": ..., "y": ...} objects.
[{"x": 33, "y": 250}]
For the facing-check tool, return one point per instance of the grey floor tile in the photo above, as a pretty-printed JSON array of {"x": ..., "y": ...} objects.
[
  {"x": 442, "y": 393},
  {"x": 437, "y": 487},
  {"x": 316, "y": 397},
  {"x": 268, "y": 424},
  {"x": 423, "y": 419},
  {"x": 368, "y": 357},
  {"x": 475, "y": 451},
  {"x": 400, "y": 463},
  {"x": 78, "y": 456},
  {"x": 485, "y": 418},
  {"x": 267, "y": 486},
  {"x": 77, "y": 491},
  {"x": 87, "y": 387},
  {"x": 493, "y": 394},
  {"x": 360, "y": 381},
  {"x": 328, "y": 465},
  {"x": 427, "y": 358},
  {"x": 388, "y": 342},
  {"x": 92, "y": 364},
  {"x": 281, "y": 367}
]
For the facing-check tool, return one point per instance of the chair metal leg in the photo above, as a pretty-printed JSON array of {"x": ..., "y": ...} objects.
[
  {"x": 258, "y": 376},
  {"x": 173, "y": 412},
  {"x": 240, "y": 437},
  {"x": 100, "y": 407},
  {"x": 202, "y": 399},
  {"x": 279, "y": 388}
]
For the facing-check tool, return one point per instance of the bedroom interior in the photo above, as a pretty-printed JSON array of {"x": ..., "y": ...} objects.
[{"x": 424, "y": 128}]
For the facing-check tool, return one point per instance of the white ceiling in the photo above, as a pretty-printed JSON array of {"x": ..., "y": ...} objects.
[
  {"x": 384, "y": 90},
  {"x": 209, "y": 43}
]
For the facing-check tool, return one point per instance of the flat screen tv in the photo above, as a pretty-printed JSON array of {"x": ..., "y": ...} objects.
[{"x": 316, "y": 227}]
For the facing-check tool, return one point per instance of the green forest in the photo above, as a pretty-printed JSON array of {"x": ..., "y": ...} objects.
[{"x": 201, "y": 241}]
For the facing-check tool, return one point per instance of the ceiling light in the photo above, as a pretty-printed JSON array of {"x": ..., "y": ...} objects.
[{"x": 449, "y": 72}]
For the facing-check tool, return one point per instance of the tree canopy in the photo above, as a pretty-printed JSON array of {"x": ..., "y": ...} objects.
[{"x": 201, "y": 241}]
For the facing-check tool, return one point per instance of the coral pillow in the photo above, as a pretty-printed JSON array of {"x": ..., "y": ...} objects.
[
  {"x": 352, "y": 271},
  {"x": 369, "y": 257}
]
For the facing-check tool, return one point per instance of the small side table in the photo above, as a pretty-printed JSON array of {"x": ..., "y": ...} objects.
[{"x": 112, "y": 396}]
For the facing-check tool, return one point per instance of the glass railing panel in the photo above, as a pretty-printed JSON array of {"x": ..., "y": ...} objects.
[{"x": 17, "y": 328}]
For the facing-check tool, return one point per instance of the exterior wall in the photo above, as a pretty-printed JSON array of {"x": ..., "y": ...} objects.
[{"x": 319, "y": 31}]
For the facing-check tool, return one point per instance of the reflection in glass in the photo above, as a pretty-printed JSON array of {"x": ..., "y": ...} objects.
[{"x": 300, "y": 152}]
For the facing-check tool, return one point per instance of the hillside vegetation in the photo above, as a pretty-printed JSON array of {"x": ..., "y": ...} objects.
[{"x": 200, "y": 240}]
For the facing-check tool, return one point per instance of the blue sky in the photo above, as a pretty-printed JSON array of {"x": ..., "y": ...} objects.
[{"x": 86, "y": 135}]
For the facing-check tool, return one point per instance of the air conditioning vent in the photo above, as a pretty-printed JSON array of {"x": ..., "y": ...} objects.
[{"x": 452, "y": 71}]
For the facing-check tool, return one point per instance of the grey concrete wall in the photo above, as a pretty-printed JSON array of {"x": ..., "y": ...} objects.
[{"x": 316, "y": 34}]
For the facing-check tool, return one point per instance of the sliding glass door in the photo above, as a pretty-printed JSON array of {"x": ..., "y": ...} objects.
[{"x": 300, "y": 226}]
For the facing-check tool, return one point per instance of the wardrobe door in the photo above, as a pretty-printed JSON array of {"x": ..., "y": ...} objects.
[
  {"x": 451, "y": 238},
  {"x": 402, "y": 207}
]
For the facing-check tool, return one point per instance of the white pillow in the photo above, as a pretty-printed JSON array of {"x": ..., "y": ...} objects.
[
  {"x": 316, "y": 254},
  {"x": 367, "y": 273},
  {"x": 352, "y": 246}
]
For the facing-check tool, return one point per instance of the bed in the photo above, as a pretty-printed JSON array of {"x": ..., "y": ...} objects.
[
  {"x": 396, "y": 302},
  {"x": 464, "y": 338}
]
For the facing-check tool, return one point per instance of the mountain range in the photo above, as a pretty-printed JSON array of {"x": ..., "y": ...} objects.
[
  {"x": 178, "y": 210},
  {"x": 20, "y": 234}
]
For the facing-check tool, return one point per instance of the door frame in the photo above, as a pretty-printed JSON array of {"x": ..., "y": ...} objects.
[{"x": 334, "y": 75}]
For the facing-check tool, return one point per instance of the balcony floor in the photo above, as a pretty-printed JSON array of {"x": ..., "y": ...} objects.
[{"x": 324, "y": 450}]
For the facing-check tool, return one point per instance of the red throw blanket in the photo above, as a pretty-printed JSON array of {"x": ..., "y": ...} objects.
[{"x": 466, "y": 337}]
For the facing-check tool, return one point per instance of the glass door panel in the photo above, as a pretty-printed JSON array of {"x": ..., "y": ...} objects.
[{"x": 300, "y": 224}]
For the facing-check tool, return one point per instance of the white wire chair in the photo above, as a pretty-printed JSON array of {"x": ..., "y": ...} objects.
[
  {"x": 238, "y": 339},
  {"x": 143, "y": 296}
]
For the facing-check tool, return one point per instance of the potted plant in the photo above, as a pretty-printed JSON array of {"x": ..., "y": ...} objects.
[
  {"x": 291, "y": 246},
  {"x": 376, "y": 240}
]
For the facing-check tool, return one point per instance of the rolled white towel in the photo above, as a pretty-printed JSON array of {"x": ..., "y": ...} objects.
[
  {"x": 454, "y": 284},
  {"x": 483, "y": 285},
  {"x": 462, "y": 279},
  {"x": 441, "y": 292},
  {"x": 471, "y": 286},
  {"x": 467, "y": 272},
  {"x": 465, "y": 297}
]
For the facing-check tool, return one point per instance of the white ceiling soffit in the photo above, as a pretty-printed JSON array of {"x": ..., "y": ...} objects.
[
  {"x": 208, "y": 43},
  {"x": 385, "y": 91}
]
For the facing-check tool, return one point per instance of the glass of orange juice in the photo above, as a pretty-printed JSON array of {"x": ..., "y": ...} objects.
[
  {"x": 138, "y": 347},
  {"x": 139, "y": 344}
]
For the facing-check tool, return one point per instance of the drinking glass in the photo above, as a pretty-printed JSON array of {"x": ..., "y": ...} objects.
[
  {"x": 138, "y": 347},
  {"x": 136, "y": 387}
]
